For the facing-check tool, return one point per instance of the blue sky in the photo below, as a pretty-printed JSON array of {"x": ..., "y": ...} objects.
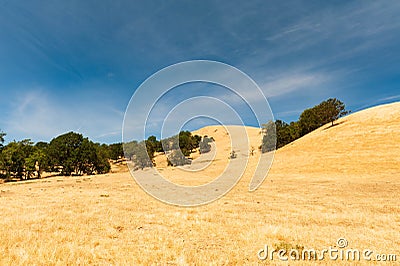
[{"x": 74, "y": 65}]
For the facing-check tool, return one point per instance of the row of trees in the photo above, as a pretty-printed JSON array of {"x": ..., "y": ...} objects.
[
  {"x": 71, "y": 153},
  {"x": 178, "y": 148},
  {"x": 184, "y": 141},
  {"x": 67, "y": 154},
  {"x": 280, "y": 133}
]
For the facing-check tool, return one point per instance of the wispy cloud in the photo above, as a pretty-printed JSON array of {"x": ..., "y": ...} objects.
[
  {"x": 290, "y": 83},
  {"x": 390, "y": 98},
  {"x": 298, "y": 56},
  {"x": 37, "y": 115}
]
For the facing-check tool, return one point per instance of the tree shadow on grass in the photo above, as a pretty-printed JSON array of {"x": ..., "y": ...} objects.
[{"x": 334, "y": 125}]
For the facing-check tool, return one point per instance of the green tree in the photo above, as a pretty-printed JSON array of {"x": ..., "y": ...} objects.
[
  {"x": 196, "y": 140},
  {"x": 101, "y": 164},
  {"x": 75, "y": 154},
  {"x": 283, "y": 136},
  {"x": 13, "y": 159},
  {"x": 152, "y": 146},
  {"x": 64, "y": 152},
  {"x": 326, "y": 112},
  {"x": 116, "y": 151},
  {"x": 2, "y": 135},
  {"x": 10, "y": 161},
  {"x": 310, "y": 120},
  {"x": 42, "y": 157},
  {"x": 184, "y": 141},
  {"x": 187, "y": 142},
  {"x": 294, "y": 130},
  {"x": 37, "y": 161},
  {"x": 331, "y": 110},
  {"x": 87, "y": 157}
]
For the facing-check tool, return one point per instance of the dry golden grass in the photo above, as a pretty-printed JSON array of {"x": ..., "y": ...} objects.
[
  {"x": 336, "y": 182},
  {"x": 217, "y": 160}
]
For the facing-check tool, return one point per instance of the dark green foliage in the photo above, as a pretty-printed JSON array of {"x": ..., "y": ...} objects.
[
  {"x": 64, "y": 152},
  {"x": 38, "y": 160},
  {"x": 310, "y": 119},
  {"x": 204, "y": 144},
  {"x": 13, "y": 159},
  {"x": 152, "y": 146},
  {"x": 116, "y": 151},
  {"x": 101, "y": 165},
  {"x": 86, "y": 158},
  {"x": 68, "y": 154},
  {"x": 73, "y": 154},
  {"x": 185, "y": 141},
  {"x": 197, "y": 140},
  {"x": 2, "y": 135},
  {"x": 286, "y": 133},
  {"x": 10, "y": 160},
  {"x": 22, "y": 160},
  {"x": 179, "y": 147},
  {"x": 176, "y": 158},
  {"x": 283, "y": 136},
  {"x": 182, "y": 146},
  {"x": 42, "y": 145},
  {"x": 154, "y": 143},
  {"x": 326, "y": 112},
  {"x": 332, "y": 109},
  {"x": 294, "y": 131}
]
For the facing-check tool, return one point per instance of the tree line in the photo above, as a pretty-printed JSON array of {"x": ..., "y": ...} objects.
[
  {"x": 177, "y": 148},
  {"x": 73, "y": 154},
  {"x": 67, "y": 154},
  {"x": 279, "y": 133}
]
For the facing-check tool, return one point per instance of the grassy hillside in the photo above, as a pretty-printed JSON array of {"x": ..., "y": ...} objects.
[
  {"x": 334, "y": 182},
  {"x": 365, "y": 143}
]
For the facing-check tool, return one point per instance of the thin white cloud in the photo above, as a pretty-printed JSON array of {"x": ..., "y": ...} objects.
[
  {"x": 291, "y": 83},
  {"x": 329, "y": 36},
  {"x": 33, "y": 115},
  {"x": 394, "y": 97},
  {"x": 36, "y": 115},
  {"x": 288, "y": 113}
]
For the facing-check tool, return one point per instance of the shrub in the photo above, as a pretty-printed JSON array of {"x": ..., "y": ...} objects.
[
  {"x": 204, "y": 145},
  {"x": 176, "y": 158}
]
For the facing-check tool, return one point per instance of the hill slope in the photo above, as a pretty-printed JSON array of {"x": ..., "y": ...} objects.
[
  {"x": 338, "y": 182},
  {"x": 366, "y": 142}
]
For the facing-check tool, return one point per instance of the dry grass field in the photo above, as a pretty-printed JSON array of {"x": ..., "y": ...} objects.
[{"x": 342, "y": 181}]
